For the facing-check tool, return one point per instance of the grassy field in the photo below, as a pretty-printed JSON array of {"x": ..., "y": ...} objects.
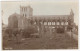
[{"x": 47, "y": 41}]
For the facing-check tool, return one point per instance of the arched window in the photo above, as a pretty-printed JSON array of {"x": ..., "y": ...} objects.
[
  {"x": 66, "y": 23},
  {"x": 62, "y": 23},
  {"x": 26, "y": 9},
  {"x": 57, "y": 23},
  {"x": 53, "y": 23},
  {"x": 50, "y": 23},
  {"x": 22, "y": 9},
  {"x": 45, "y": 23},
  {"x": 34, "y": 22}
]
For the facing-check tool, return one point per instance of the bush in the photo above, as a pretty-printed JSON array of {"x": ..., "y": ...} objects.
[
  {"x": 60, "y": 30},
  {"x": 9, "y": 31},
  {"x": 15, "y": 32},
  {"x": 25, "y": 32},
  {"x": 29, "y": 30}
]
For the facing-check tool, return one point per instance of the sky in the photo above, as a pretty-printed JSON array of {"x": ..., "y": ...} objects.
[{"x": 48, "y": 7}]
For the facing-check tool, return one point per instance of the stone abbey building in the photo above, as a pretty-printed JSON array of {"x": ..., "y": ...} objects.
[{"x": 23, "y": 19}]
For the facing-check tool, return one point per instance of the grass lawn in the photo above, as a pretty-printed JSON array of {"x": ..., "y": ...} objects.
[{"x": 47, "y": 41}]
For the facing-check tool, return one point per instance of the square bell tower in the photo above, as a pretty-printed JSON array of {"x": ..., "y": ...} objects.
[{"x": 26, "y": 11}]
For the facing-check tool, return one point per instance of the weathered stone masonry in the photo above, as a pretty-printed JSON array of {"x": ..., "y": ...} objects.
[{"x": 42, "y": 21}]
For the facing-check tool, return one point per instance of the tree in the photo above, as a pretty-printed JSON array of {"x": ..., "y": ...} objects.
[
  {"x": 9, "y": 32},
  {"x": 70, "y": 25},
  {"x": 28, "y": 31}
]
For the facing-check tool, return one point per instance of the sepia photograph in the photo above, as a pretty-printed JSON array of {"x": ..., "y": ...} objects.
[{"x": 40, "y": 25}]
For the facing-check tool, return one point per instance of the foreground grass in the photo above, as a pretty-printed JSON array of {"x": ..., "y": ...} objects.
[{"x": 47, "y": 41}]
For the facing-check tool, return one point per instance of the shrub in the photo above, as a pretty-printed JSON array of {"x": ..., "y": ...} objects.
[
  {"x": 60, "y": 30},
  {"x": 29, "y": 30},
  {"x": 9, "y": 31},
  {"x": 25, "y": 32}
]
